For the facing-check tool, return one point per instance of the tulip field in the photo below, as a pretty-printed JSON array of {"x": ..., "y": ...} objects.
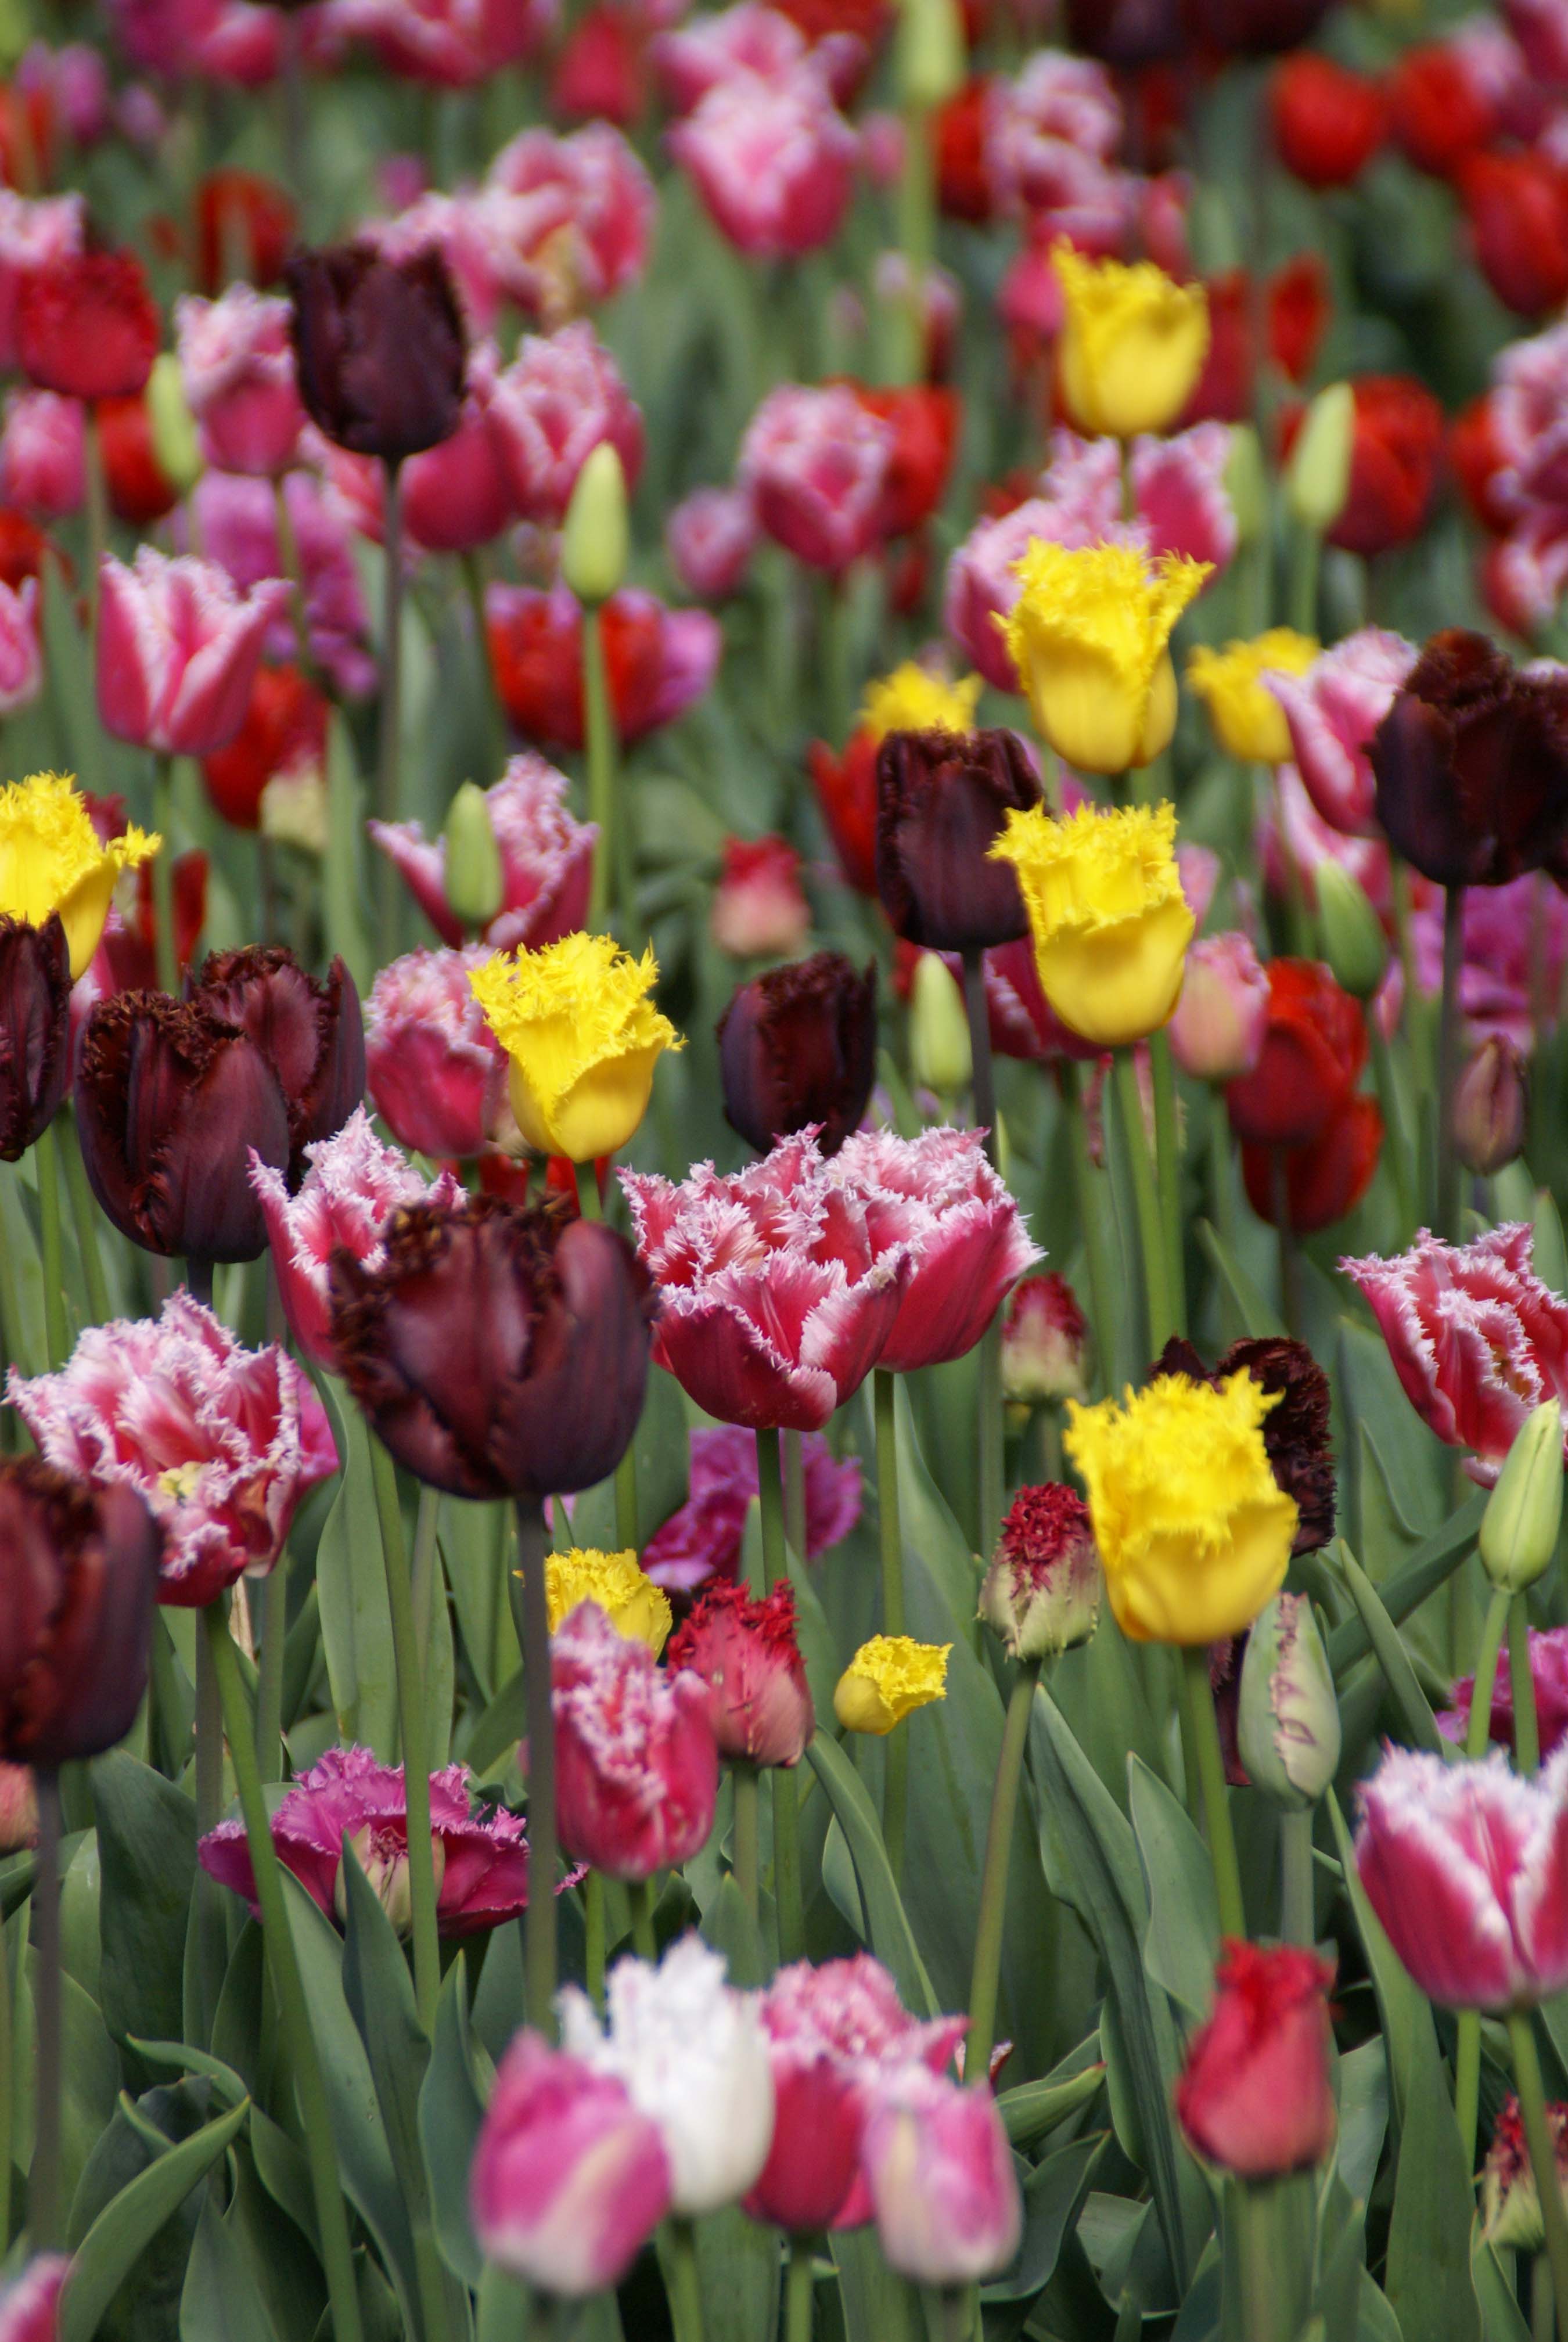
[{"x": 783, "y": 1155}]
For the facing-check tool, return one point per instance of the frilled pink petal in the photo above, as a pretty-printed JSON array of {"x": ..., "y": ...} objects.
[
  {"x": 709, "y": 538},
  {"x": 21, "y": 653},
  {"x": 724, "y": 1360},
  {"x": 1332, "y": 712},
  {"x": 1180, "y": 492},
  {"x": 178, "y": 649},
  {"x": 421, "y": 865},
  {"x": 1438, "y": 1905},
  {"x": 772, "y": 161},
  {"x": 814, "y": 463},
  {"x": 703, "y": 1541},
  {"x": 692, "y": 643},
  {"x": 485, "y": 1878}
]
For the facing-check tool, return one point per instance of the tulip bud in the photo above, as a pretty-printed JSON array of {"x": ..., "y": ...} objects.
[
  {"x": 471, "y": 875},
  {"x": 173, "y": 428},
  {"x": 1490, "y": 1104},
  {"x": 1247, "y": 483},
  {"x": 293, "y": 812},
  {"x": 1042, "y": 1592},
  {"x": 1510, "y": 2198},
  {"x": 931, "y": 53},
  {"x": 939, "y": 1053},
  {"x": 1524, "y": 1511},
  {"x": 1353, "y": 943},
  {"x": 1044, "y": 1338},
  {"x": 887, "y": 1679},
  {"x": 745, "y": 1652},
  {"x": 1288, "y": 1729},
  {"x": 1217, "y": 1031},
  {"x": 1317, "y": 475},
  {"x": 595, "y": 541},
  {"x": 797, "y": 1045}
]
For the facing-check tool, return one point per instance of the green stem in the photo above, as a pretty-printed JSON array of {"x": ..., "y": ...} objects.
[
  {"x": 269, "y": 1670},
  {"x": 494, "y": 718},
  {"x": 1448, "y": 1040},
  {"x": 1398, "y": 1150},
  {"x": 585, "y": 1180},
  {"x": 1543, "y": 2307},
  {"x": 795, "y": 1492},
  {"x": 1296, "y": 1908},
  {"x": 798, "y": 2290},
  {"x": 1285, "y": 1238},
  {"x": 531, "y": 1612},
  {"x": 787, "y": 1898},
  {"x": 85, "y": 1215},
  {"x": 1205, "y": 1727},
  {"x": 982, "y": 2034},
  {"x": 209, "y": 1894},
  {"x": 1168, "y": 1154},
  {"x": 1305, "y": 554},
  {"x": 993, "y": 1430},
  {"x": 165, "y": 951},
  {"x": 422, "y": 1590},
  {"x": 600, "y": 745},
  {"x": 410, "y": 1728},
  {"x": 388, "y": 790},
  {"x": 890, "y": 1530},
  {"x": 1222, "y": 1174},
  {"x": 293, "y": 570},
  {"x": 917, "y": 235},
  {"x": 685, "y": 2285},
  {"x": 640, "y": 1894},
  {"x": 1467, "y": 2041},
  {"x": 1542, "y": 2156},
  {"x": 1151, "y": 1227},
  {"x": 594, "y": 1930},
  {"x": 978, "y": 1016},
  {"x": 1522, "y": 1684},
  {"x": 55, "y": 1329},
  {"x": 44, "y": 2232},
  {"x": 747, "y": 1837},
  {"x": 304, "y": 2064},
  {"x": 1091, "y": 1199}
]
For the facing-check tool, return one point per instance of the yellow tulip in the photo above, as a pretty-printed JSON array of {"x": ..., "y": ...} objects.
[
  {"x": 1193, "y": 1530},
  {"x": 1109, "y": 921},
  {"x": 1248, "y": 720},
  {"x": 51, "y": 859},
  {"x": 887, "y": 1679},
  {"x": 1133, "y": 343},
  {"x": 634, "y": 1605},
  {"x": 1090, "y": 637},
  {"x": 584, "y": 1038},
  {"x": 913, "y": 699}
]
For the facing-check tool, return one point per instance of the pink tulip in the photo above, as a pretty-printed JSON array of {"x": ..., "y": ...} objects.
[
  {"x": 178, "y": 650},
  {"x": 1529, "y": 422},
  {"x": 943, "y": 2187},
  {"x": 18, "y": 1819},
  {"x": 547, "y": 860},
  {"x": 709, "y": 538},
  {"x": 1332, "y": 712},
  {"x": 1541, "y": 29},
  {"x": 235, "y": 522},
  {"x": 1051, "y": 133},
  {"x": 30, "y": 2305},
  {"x": 815, "y": 463},
  {"x": 774, "y": 162},
  {"x": 436, "y": 1072},
  {"x": 223, "y": 1442},
  {"x": 815, "y": 2159},
  {"x": 759, "y": 909},
  {"x": 458, "y": 495},
  {"x": 351, "y": 1188},
  {"x": 481, "y": 1858},
  {"x": 43, "y": 453},
  {"x": 561, "y": 396},
  {"x": 454, "y": 43},
  {"x": 32, "y": 232},
  {"x": 704, "y": 1539},
  {"x": 1549, "y": 1681},
  {"x": 936, "y": 1200},
  {"x": 692, "y": 58},
  {"x": 1515, "y": 940},
  {"x": 775, "y": 1303},
  {"x": 569, "y": 2178},
  {"x": 589, "y": 200},
  {"x": 747, "y": 1657},
  {"x": 1217, "y": 1031},
  {"x": 1179, "y": 494},
  {"x": 236, "y": 364},
  {"x": 21, "y": 653},
  {"x": 1466, "y": 1865},
  {"x": 75, "y": 79},
  {"x": 637, "y": 1765},
  {"x": 1476, "y": 1339}
]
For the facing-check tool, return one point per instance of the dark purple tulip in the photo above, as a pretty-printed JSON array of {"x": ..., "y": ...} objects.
[
  {"x": 942, "y": 802},
  {"x": 35, "y": 1029},
  {"x": 380, "y": 348},
  {"x": 797, "y": 1046},
  {"x": 81, "y": 1579},
  {"x": 497, "y": 1352},
  {"x": 312, "y": 1034},
  {"x": 1127, "y": 32},
  {"x": 1256, "y": 28}
]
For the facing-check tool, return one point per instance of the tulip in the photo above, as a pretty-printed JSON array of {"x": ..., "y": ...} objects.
[
  {"x": 83, "y": 1572},
  {"x": 481, "y": 1858},
  {"x": 1440, "y": 109},
  {"x": 30, "y": 2305},
  {"x": 547, "y": 860},
  {"x": 436, "y": 1073},
  {"x": 1218, "y": 1031},
  {"x": 1287, "y": 1724},
  {"x": 1297, "y": 1426},
  {"x": 816, "y": 465},
  {"x": 1325, "y": 1177},
  {"x": 759, "y": 909},
  {"x": 1315, "y": 1046},
  {"x": 87, "y": 326},
  {"x": 560, "y": 398},
  {"x": 943, "y": 2186},
  {"x": 713, "y": 48},
  {"x": 1133, "y": 344},
  {"x": 1110, "y": 922},
  {"x": 635, "y": 1759},
  {"x": 815, "y": 2159},
  {"x": 284, "y": 734},
  {"x": 237, "y": 368},
  {"x": 584, "y": 1038},
  {"x": 458, "y": 495},
  {"x": 21, "y": 652},
  {"x": 1257, "y": 27},
  {"x": 496, "y": 1352},
  {"x": 36, "y": 1027},
  {"x": 1491, "y": 1105},
  {"x": 658, "y": 661},
  {"x": 941, "y": 1052},
  {"x": 379, "y": 345},
  {"x": 594, "y": 187},
  {"x": 178, "y": 650},
  {"x": 1523, "y": 1514},
  {"x": 1548, "y": 1651},
  {"x": 1089, "y": 636},
  {"x": 691, "y": 2054},
  {"x": 51, "y": 860},
  {"x": 1510, "y": 2200},
  {"x": 595, "y": 541},
  {"x": 1328, "y": 122},
  {"x": 942, "y": 802},
  {"x": 1233, "y": 684},
  {"x": 1333, "y": 710},
  {"x": 1254, "y": 2097},
  {"x": 772, "y": 162},
  {"x": 1396, "y": 446},
  {"x": 709, "y": 538},
  {"x": 635, "y": 1606},
  {"x": 798, "y": 1050},
  {"x": 1044, "y": 1336},
  {"x": 1193, "y": 1530},
  {"x": 43, "y": 453},
  {"x": 18, "y": 1810},
  {"x": 311, "y": 1033},
  {"x": 1042, "y": 1591},
  {"x": 887, "y": 1679},
  {"x": 1354, "y": 947},
  {"x": 569, "y": 2178},
  {"x": 748, "y": 1661},
  {"x": 351, "y": 1188},
  {"x": 443, "y": 43},
  {"x": 1517, "y": 204},
  {"x": 1464, "y": 1865},
  {"x": 703, "y": 1541}
]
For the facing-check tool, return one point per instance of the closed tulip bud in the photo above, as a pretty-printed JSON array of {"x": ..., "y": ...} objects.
[
  {"x": 1042, "y": 1592},
  {"x": 797, "y": 1046},
  {"x": 930, "y": 63},
  {"x": 471, "y": 875},
  {"x": 1510, "y": 2200},
  {"x": 35, "y": 1029},
  {"x": 940, "y": 1058},
  {"x": 173, "y": 428},
  {"x": 1254, "y": 2097},
  {"x": 1524, "y": 1511},
  {"x": 1217, "y": 1031},
  {"x": 1247, "y": 483},
  {"x": 1317, "y": 475},
  {"x": 595, "y": 541},
  {"x": 942, "y": 801},
  {"x": 1288, "y": 1729},
  {"x": 943, "y": 2187},
  {"x": 1491, "y": 1100},
  {"x": 1353, "y": 943},
  {"x": 1044, "y": 1336},
  {"x": 82, "y": 1573},
  {"x": 379, "y": 347}
]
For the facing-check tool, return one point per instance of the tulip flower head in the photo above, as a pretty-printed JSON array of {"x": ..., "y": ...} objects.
[
  {"x": 745, "y": 1652},
  {"x": 943, "y": 2187},
  {"x": 1249, "y": 721},
  {"x": 704, "y": 1539},
  {"x": 83, "y": 1575},
  {"x": 887, "y": 1679},
  {"x": 379, "y": 347},
  {"x": 914, "y": 698},
  {"x": 1288, "y": 1729},
  {"x": 1510, "y": 2200},
  {"x": 1549, "y": 1681},
  {"x": 637, "y": 1767},
  {"x": 51, "y": 859},
  {"x": 1089, "y": 636},
  {"x": 1110, "y": 922},
  {"x": 1193, "y": 1530},
  {"x": 1296, "y": 1428},
  {"x": 798, "y": 1050},
  {"x": 1042, "y": 1592},
  {"x": 436, "y": 1073},
  {"x": 1218, "y": 1029},
  {"x": 1254, "y": 2097},
  {"x": 178, "y": 649},
  {"x": 1331, "y": 710},
  {"x": 942, "y": 801},
  {"x": 584, "y": 1038},
  {"x": 30, "y": 2307},
  {"x": 1045, "y": 1337},
  {"x": 1133, "y": 343},
  {"x": 614, "y": 1583}
]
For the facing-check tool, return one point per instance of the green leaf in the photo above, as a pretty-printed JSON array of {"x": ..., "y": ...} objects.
[
  {"x": 342, "y": 881},
  {"x": 114, "y": 2242},
  {"x": 1503, "y": 2319},
  {"x": 24, "y": 1342},
  {"x": 1032, "y": 2108},
  {"x": 1256, "y": 1314},
  {"x": 1427, "y": 2278},
  {"x": 451, "y": 2109},
  {"x": 351, "y": 1583},
  {"x": 473, "y": 1540},
  {"x": 730, "y": 1928},
  {"x": 1181, "y": 1941},
  {"x": 1428, "y": 1567},
  {"x": 891, "y": 1938},
  {"x": 1053, "y": 2195},
  {"x": 931, "y": 1535},
  {"x": 176, "y": 2054},
  {"x": 1392, "y": 1657},
  {"x": 738, "y": 2266},
  {"x": 222, "y": 2301},
  {"x": 878, "y": 2306},
  {"x": 1362, "y": 2117}
]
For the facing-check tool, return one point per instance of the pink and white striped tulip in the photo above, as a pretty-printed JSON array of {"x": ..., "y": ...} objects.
[
  {"x": 561, "y": 397},
  {"x": 434, "y": 1070},
  {"x": 547, "y": 860},
  {"x": 943, "y": 2187},
  {"x": 636, "y": 1764},
  {"x": 178, "y": 650},
  {"x": 1333, "y": 710},
  {"x": 236, "y": 365}
]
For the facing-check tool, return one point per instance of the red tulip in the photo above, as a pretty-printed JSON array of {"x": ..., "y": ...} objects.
[
  {"x": 1328, "y": 122},
  {"x": 845, "y": 788},
  {"x": 1517, "y": 204},
  {"x": 241, "y": 216},
  {"x": 87, "y": 326},
  {"x": 658, "y": 661},
  {"x": 284, "y": 732},
  {"x": 1399, "y": 435},
  {"x": 82, "y": 1567},
  {"x": 818, "y": 2122},
  {"x": 1315, "y": 1046},
  {"x": 1441, "y": 110},
  {"x": 1326, "y": 1177},
  {"x": 1254, "y": 2097},
  {"x": 963, "y": 179},
  {"x": 749, "y": 1662}
]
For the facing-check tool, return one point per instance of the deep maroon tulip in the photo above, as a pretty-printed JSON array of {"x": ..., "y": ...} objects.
[
  {"x": 35, "y": 1029},
  {"x": 942, "y": 802},
  {"x": 1296, "y": 1429},
  {"x": 380, "y": 348},
  {"x": 81, "y": 1573},
  {"x": 797, "y": 1046},
  {"x": 1255, "y": 29},
  {"x": 497, "y": 1352},
  {"x": 312, "y": 1034},
  {"x": 1126, "y": 32},
  {"x": 170, "y": 1099},
  {"x": 1472, "y": 766}
]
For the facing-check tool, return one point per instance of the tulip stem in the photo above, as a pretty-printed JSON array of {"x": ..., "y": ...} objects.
[
  {"x": 787, "y": 1898},
  {"x": 990, "y": 1394},
  {"x": 686, "y": 2284},
  {"x": 1543, "y": 2155},
  {"x": 982, "y": 2034},
  {"x": 44, "y": 2179},
  {"x": 1543, "y": 2307},
  {"x": 1467, "y": 2028},
  {"x": 85, "y": 1215},
  {"x": 1205, "y": 1735},
  {"x": 799, "y": 2286},
  {"x": 531, "y": 1612},
  {"x": 1398, "y": 1151},
  {"x": 1151, "y": 1226},
  {"x": 1090, "y": 1203},
  {"x": 585, "y": 1180},
  {"x": 1285, "y": 1235},
  {"x": 599, "y": 745},
  {"x": 917, "y": 235},
  {"x": 1446, "y": 1219},
  {"x": 1168, "y": 1153},
  {"x": 747, "y": 1838},
  {"x": 594, "y": 1933},
  {"x": 795, "y": 1492},
  {"x": 426, "y": 1521},
  {"x": 1296, "y": 1901},
  {"x": 165, "y": 951},
  {"x": 983, "y": 1075},
  {"x": 269, "y": 1670},
  {"x": 494, "y": 718},
  {"x": 293, "y": 569},
  {"x": 388, "y": 772},
  {"x": 640, "y": 1894},
  {"x": 55, "y": 1330},
  {"x": 410, "y": 1726},
  {"x": 209, "y": 1784},
  {"x": 305, "y": 2065},
  {"x": 1522, "y": 1684},
  {"x": 890, "y": 1531}
]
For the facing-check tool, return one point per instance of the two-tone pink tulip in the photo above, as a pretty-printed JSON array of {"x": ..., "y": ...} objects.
[
  {"x": 636, "y": 1764},
  {"x": 178, "y": 650}
]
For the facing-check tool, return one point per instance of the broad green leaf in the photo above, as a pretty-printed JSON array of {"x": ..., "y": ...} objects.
[
  {"x": 222, "y": 2301},
  {"x": 343, "y": 884},
  {"x": 24, "y": 1288},
  {"x": 351, "y": 1584},
  {"x": 451, "y": 2110},
  {"x": 1427, "y": 2279},
  {"x": 1053, "y": 2195},
  {"x": 1255, "y": 1314},
  {"x": 1390, "y": 1656},
  {"x": 175, "y": 2056},
  {"x": 1032, "y": 2108},
  {"x": 280, "y": 2262},
  {"x": 738, "y": 2265},
  {"x": 1429, "y": 1566},
  {"x": 878, "y": 2306},
  {"x": 112, "y": 2246},
  {"x": 1502, "y": 2317},
  {"x": 1182, "y": 1940},
  {"x": 473, "y": 1540},
  {"x": 147, "y": 1847},
  {"x": 1362, "y": 2117},
  {"x": 891, "y": 1938},
  {"x": 929, "y": 1530}
]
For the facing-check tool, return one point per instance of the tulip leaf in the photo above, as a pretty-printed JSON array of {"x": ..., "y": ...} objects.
[
  {"x": 1183, "y": 1937},
  {"x": 1427, "y": 2278},
  {"x": 877, "y": 2305},
  {"x": 342, "y": 890},
  {"x": 1032, "y": 2108},
  {"x": 891, "y": 1937},
  {"x": 1429, "y": 1566},
  {"x": 929, "y": 1531},
  {"x": 147, "y": 1847},
  {"x": 839, "y": 1880},
  {"x": 1549, "y": 1253},
  {"x": 1392, "y": 1657},
  {"x": 222, "y": 2301},
  {"x": 1053, "y": 2195},
  {"x": 471, "y": 1538},
  {"x": 1255, "y": 1315},
  {"x": 451, "y": 2109},
  {"x": 1503, "y": 2319},
  {"x": 23, "y": 1290},
  {"x": 351, "y": 1583},
  {"x": 282, "y": 2168},
  {"x": 228, "y": 2085},
  {"x": 117, "y": 2237},
  {"x": 1362, "y": 2117}
]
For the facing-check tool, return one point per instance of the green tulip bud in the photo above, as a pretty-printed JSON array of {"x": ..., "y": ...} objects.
[
  {"x": 1352, "y": 940},
  {"x": 939, "y": 1056},
  {"x": 596, "y": 541},
  {"x": 931, "y": 56},
  {"x": 1317, "y": 477},
  {"x": 1524, "y": 1511},
  {"x": 475, "y": 889},
  {"x": 1247, "y": 483},
  {"x": 173, "y": 425},
  {"x": 1287, "y": 1727}
]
